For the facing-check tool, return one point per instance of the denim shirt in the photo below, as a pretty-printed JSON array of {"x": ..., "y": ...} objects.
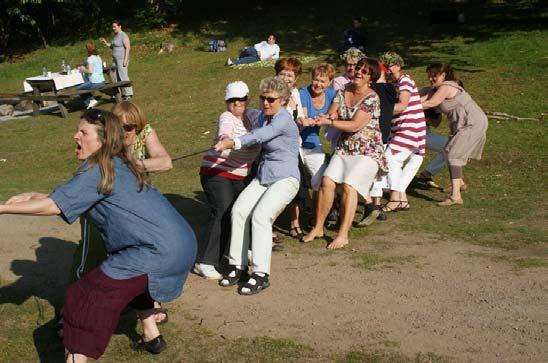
[
  {"x": 143, "y": 233},
  {"x": 279, "y": 140}
]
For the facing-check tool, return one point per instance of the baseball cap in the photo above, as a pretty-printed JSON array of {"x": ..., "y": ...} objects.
[{"x": 236, "y": 89}]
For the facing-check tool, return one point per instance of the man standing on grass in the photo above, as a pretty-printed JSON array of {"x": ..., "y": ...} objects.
[{"x": 265, "y": 50}]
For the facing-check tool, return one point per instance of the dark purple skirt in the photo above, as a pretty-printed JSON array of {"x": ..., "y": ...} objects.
[{"x": 92, "y": 310}]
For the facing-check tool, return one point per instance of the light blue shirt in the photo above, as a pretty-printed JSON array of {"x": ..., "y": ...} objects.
[
  {"x": 143, "y": 233},
  {"x": 279, "y": 140},
  {"x": 97, "y": 75}
]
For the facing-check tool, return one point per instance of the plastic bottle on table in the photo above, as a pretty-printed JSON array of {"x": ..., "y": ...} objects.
[
  {"x": 44, "y": 71},
  {"x": 63, "y": 66}
]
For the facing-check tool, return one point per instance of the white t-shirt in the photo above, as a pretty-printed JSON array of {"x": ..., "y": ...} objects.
[{"x": 266, "y": 50}]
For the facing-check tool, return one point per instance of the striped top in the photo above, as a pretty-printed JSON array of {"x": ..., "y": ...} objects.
[
  {"x": 232, "y": 164},
  {"x": 409, "y": 127}
]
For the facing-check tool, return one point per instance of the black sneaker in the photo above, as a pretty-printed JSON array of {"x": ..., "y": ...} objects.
[
  {"x": 332, "y": 221},
  {"x": 370, "y": 214},
  {"x": 154, "y": 346}
]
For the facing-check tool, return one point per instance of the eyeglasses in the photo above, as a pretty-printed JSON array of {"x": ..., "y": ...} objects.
[
  {"x": 237, "y": 99},
  {"x": 350, "y": 64},
  {"x": 129, "y": 127},
  {"x": 269, "y": 99}
]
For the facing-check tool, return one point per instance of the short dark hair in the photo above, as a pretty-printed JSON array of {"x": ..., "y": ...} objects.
[
  {"x": 117, "y": 22},
  {"x": 372, "y": 67}
]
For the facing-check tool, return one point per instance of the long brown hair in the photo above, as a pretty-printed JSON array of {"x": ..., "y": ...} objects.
[{"x": 112, "y": 137}]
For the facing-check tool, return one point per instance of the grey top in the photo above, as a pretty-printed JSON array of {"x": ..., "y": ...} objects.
[
  {"x": 279, "y": 138},
  {"x": 142, "y": 231},
  {"x": 117, "y": 45},
  {"x": 467, "y": 127}
]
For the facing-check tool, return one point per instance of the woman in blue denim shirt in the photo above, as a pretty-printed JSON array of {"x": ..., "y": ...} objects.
[{"x": 151, "y": 247}]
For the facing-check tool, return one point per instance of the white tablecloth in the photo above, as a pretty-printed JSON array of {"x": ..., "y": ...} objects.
[{"x": 59, "y": 80}]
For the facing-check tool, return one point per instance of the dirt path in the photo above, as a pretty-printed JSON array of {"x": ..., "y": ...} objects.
[{"x": 450, "y": 298}]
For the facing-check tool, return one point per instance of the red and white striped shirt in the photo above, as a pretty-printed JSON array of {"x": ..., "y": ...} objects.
[
  {"x": 409, "y": 127},
  {"x": 232, "y": 164}
]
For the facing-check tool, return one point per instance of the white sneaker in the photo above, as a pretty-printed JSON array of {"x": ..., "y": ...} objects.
[
  {"x": 92, "y": 103},
  {"x": 229, "y": 62},
  {"x": 208, "y": 272}
]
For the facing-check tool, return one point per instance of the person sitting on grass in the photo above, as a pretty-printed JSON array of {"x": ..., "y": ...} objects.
[
  {"x": 265, "y": 50},
  {"x": 150, "y": 246}
]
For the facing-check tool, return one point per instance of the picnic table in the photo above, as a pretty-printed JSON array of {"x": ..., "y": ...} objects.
[
  {"x": 51, "y": 83},
  {"x": 60, "y": 87}
]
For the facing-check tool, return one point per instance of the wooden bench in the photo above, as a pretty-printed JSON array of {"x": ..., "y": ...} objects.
[
  {"x": 9, "y": 99},
  {"x": 64, "y": 96}
]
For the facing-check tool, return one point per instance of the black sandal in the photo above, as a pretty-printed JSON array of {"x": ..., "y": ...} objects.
[
  {"x": 296, "y": 232},
  {"x": 161, "y": 311},
  {"x": 231, "y": 278},
  {"x": 154, "y": 346},
  {"x": 261, "y": 283},
  {"x": 404, "y": 206},
  {"x": 386, "y": 208}
]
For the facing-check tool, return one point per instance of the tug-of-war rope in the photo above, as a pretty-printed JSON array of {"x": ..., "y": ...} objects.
[{"x": 505, "y": 116}]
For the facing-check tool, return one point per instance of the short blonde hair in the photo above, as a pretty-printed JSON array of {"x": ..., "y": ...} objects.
[
  {"x": 275, "y": 84},
  {"x": 134, "y": 114},
  {"x": 323, "y": 70}
]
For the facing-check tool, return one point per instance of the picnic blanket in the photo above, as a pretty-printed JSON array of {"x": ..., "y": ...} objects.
[{"x": 270, "y": 63}]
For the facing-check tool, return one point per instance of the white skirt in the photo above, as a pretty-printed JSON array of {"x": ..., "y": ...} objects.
[
  {"x": 314, "y": 163},
  {"x": 358, "y": 171}
]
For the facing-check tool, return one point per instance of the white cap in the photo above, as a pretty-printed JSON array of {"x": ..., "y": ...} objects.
[{"x": 236, "y": 89}]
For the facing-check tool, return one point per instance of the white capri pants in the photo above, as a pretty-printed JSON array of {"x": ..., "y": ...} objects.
[
  {"x": 314, "y": 163},
  {"x": 400, "y": 175},
  {"x": 256, "y": 209}
]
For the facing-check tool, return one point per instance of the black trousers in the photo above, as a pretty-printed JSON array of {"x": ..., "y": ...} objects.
[{"x": 221, "y": 193}]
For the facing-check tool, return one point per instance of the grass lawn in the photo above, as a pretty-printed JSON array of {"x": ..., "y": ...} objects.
[{"x": 503, "y": 67}]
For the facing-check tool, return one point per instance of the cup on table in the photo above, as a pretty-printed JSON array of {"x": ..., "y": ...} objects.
[{"x": 48, "y": 74}]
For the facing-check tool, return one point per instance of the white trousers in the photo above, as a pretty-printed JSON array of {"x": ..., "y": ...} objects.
[
  {"x": 400, "y": 175},
  {"x": 435, "y": 142},
  {"x": 255, "y": 211},
  {"x": 314, "y": 163}
]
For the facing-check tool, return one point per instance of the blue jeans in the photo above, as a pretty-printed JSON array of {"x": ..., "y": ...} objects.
[
  {"x": 86, "y": 97},
  {"x": 247, "y": 55}
]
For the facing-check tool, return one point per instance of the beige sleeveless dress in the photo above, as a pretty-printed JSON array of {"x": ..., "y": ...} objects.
[{"x": 467, "y": 127}]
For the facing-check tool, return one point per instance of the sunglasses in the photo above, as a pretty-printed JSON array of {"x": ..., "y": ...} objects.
[
  {"x": 129, "y": 127},
  {"x": 93, "y": 115},
  {"x": 237, "y": 99},
  {"x": 269, "y": 99}
]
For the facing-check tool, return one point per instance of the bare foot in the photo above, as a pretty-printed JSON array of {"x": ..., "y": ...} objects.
[
  {"x": 312, "y": 235},
  {"x": 337, "y": 243}
]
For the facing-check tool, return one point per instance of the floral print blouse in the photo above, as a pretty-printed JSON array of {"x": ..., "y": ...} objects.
[
  {"x": 138, "y": 148},
  {"x": 368, "y": 140}
]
